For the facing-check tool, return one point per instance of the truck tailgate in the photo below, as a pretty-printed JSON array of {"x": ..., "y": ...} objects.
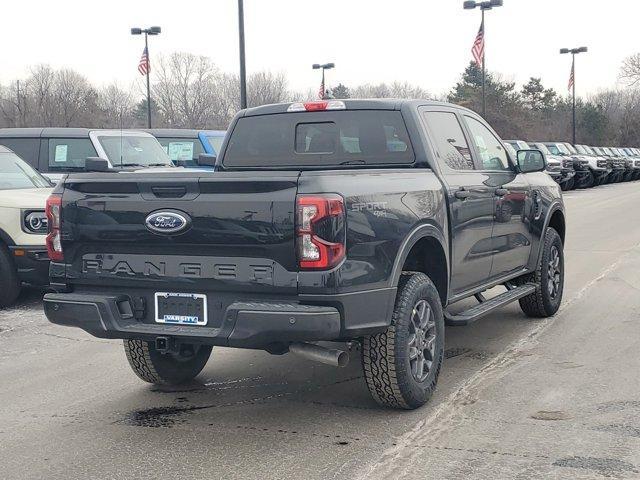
[{"x": 239, "y": 234}]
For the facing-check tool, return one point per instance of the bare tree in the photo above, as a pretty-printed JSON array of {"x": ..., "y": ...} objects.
[
  {"x": 630, "y": 70},
  {"x": 394, "y": 90},
  {"x": 117, "y": 107},
  {"x": 266, "y": 87},
  {"x": 186, "y": 91},
  {"x": 75, "y": 99}
]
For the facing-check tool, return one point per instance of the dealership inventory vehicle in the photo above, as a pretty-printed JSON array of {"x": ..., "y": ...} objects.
[
  {"x": 23, "y": 227},
  {"x": 619, "y": 165},
  {"x": 634, "y": 156},
  {"x": 600, "y": 167},
  {"x": 554, "y": 165},
  {"x": 345, "y": 221},
  {"x": 56, "y": 151},
  {"x": 582, "y": 166},
  {"x": 581, "y": 171},
  {"x": 184, "y": 146},
  {"x": 630, "y": 169}
]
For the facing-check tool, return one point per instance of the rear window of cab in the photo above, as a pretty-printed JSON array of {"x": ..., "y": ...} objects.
[{"x": 320, "y": 139}]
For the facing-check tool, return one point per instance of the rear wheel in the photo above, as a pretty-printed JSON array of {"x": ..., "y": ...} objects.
[
  {"x": 166, "y": 368},
  {"x": 548, "y": 278},
  {"x": 9, "y": 282},
  {"x": 402, "y": 364}
]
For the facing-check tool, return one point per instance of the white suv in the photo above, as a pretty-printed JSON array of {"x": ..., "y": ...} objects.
[{"x": 23, "y": 226}]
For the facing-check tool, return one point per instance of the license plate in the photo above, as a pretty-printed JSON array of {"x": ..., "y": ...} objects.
[{"x": 181, "y": 308}]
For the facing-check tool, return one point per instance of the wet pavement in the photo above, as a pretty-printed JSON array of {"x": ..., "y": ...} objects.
[{"x": 517, "y": 398}]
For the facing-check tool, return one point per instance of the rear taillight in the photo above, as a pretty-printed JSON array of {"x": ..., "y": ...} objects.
[
  {"x": 54, "y": 238},
  {"x": 320, "y": 231}
]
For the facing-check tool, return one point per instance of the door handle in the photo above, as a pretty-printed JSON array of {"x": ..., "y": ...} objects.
[
  {"x": 462, "y": 194},
  {"x": 501, "y": 192}
]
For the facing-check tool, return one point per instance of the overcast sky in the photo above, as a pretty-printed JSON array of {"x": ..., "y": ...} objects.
[{"x": 426, "y": 42}]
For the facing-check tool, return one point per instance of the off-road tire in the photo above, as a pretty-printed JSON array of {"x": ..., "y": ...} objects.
[
  {"x": 164, "y": 368},
  {"x": 9, "y": 282},
  {"x": 540, "y": 303},
  {"x": 385, "y": 356}
]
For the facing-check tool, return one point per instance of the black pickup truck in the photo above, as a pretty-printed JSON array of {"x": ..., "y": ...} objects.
[{"x": 358, "y": 221}]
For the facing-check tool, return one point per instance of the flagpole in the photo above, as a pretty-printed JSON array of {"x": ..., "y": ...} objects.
[
  {"x": 243, "y": 68},
  {"x": 146, "y": 48},
  {"x": 484, "y": 50},
  {"x": 572, "y": 84},
  {"x": 573, "y": 74}
]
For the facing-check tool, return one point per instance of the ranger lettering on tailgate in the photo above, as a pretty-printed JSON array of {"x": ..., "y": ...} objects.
[{"x": 240, "y": 269}]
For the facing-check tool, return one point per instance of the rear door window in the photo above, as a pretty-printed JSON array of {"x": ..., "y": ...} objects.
[
  {"x": 69, "y": 153},
  {"x": 320, "y": 139},
  {"x": 449, "y": 140}
]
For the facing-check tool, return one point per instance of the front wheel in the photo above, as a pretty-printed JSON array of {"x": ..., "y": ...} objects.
[
  {"x": 548, "y": 278},
  {"x": 402, "y": 364},
  {"x": 173, "y": 368}
]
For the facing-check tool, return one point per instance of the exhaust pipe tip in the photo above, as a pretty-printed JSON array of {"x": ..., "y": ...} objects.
[
  {"x": 328, "y": 356},
  {"x": 343, "y": 358}
]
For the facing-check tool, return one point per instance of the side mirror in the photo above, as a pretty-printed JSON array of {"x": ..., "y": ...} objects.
[
  {"x": 207, "y": 160},
  {"x": 96, "y": 164},
  {"x": 531, "y": 161}
]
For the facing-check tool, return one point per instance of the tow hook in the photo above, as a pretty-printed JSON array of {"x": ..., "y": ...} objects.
[{"x": 163, "y": 344}]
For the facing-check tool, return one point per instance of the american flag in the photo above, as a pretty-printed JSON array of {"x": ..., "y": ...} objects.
[
  {"x": 321, "y": 91},
  {"x": 571, "y": 76},
  {"x": 478, "y": 46},
  {"x": 143, "y": 65}
]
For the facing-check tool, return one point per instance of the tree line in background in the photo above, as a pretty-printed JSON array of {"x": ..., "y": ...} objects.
[{"x": 189, "y": 91}]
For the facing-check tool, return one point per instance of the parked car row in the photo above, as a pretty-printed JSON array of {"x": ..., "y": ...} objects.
[
  {"x": 33, "y": 160},
  {"x": 57, "y": 151},
  {"x": 582, "y": 166}
]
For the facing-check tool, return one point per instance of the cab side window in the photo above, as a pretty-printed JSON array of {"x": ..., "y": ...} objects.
[
  {"x": 493, "y": 155},
  {"x": 25, "y": 148},
  {"x": 69, "y": 152},
  {"x": 449, "y": 141}
]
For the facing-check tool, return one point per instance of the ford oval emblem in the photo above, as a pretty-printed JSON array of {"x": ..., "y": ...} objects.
[{"x": 168, "y": 222}]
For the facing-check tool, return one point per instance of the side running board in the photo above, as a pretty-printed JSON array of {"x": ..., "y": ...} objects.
[{"x": 487, "y": 306}]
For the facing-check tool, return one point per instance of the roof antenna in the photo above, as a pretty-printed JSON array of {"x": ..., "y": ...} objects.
[{"x": 121, "y": 115}]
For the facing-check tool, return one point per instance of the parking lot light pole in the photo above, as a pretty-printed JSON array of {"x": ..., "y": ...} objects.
[
  {"x": 323, "y": 66},
  {"x": 243, "y": 69},
  {"x": 487, "y": 5},
  {"x": 147, "y": 32},
  {"x": 572, "y": 82}
]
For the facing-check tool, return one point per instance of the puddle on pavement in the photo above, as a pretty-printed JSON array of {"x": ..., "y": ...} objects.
[{"x": 156, "y": 417}]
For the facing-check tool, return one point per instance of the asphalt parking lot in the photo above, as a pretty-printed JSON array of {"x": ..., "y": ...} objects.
[{"x": 555, "y": 398}]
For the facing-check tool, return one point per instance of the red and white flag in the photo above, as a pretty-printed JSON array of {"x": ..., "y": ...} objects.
[
  {"x": 572, "y": 76},
  {"x": 143, "y": 66},
  {"x": 478, "y": 46},
  {"x": 321, "y": 91}
]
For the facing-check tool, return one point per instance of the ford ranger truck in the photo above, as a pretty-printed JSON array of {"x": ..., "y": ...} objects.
[{"x": 359, "y": 221}]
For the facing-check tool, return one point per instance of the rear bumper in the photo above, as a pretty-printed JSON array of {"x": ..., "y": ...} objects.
[
  {"x": 32, "y": 264},
  {"x": 243, "y": 324}
]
